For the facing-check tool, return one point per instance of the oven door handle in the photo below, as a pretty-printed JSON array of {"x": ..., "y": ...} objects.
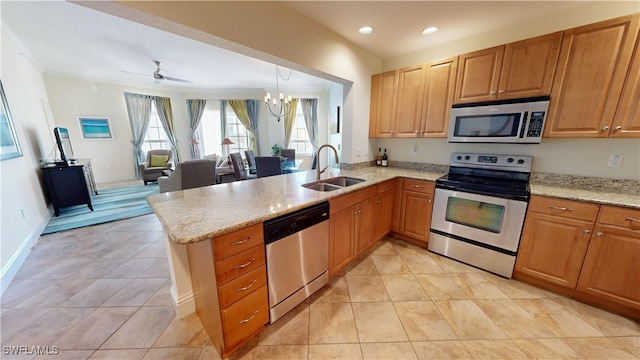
[{"x": 524, "y": 198}]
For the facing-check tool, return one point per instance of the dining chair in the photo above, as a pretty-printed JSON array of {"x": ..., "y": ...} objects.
[
  {"x": 290, "y": 154},
  {"x": 251, "y": 160},
  {"x": 268, "y": 166},
  {"x": 239, "y": 169}
]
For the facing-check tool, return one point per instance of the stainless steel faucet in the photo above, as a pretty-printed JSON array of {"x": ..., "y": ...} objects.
[{"x": 318, "y": 159}]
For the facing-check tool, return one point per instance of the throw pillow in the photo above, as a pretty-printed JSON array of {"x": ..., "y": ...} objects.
[{"x": 159, "y": 160}]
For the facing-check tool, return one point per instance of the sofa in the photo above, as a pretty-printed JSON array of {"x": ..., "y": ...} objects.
[{"x": 189, "y": 174}]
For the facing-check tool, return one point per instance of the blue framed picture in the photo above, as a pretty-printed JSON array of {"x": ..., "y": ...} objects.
[
  {"x": 95, "y": 128},
  {"x": 9, "y": 145}
]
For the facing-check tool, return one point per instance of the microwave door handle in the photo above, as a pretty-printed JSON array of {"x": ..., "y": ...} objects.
[{"x": 525, "y": 124}]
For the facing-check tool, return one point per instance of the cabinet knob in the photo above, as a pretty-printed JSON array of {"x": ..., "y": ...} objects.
[
  {"x": 378, "y": 202},
  {"x": 500, "y": 91},
  {"x": 587, "y": 231},
  {"x": 600, "y": 234},
  {"x": 618, "y": 128},
  {"x": 605, "y": 128},
  {"x": 492, "y": 93}
]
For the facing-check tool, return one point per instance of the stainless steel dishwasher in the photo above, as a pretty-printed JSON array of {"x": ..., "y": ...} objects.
[{"x": 297, "y": 246}]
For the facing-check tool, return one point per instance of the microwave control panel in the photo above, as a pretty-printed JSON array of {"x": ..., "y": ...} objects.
[{"x": 535, "y": 124}]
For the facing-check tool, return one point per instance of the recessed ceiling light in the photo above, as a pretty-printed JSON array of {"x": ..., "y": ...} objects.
[
  {"x": 365, "y": 30},
  {"x": 429, "y": 30}
]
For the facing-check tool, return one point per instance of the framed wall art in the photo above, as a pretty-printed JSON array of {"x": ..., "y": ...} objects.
[
  {"x": 95, "y": 128},
  {"x": 9, "y": 145}
]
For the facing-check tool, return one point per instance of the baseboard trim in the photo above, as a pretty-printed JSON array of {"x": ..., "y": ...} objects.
[
  {"x": 10, "y": 270},
  {"x": 183, "y": 305}
]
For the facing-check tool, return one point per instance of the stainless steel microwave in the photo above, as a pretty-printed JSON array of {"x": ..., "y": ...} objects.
[{"x": 515, "y": 121}]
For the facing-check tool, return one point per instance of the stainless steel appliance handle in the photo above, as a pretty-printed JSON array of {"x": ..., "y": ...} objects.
[
  {"x": 248, "y": 319},
  {"x": 245, "y": 264}
]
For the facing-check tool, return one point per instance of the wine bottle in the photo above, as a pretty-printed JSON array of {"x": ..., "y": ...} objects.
[
  {"x": 379, "y": 158},
  {"x": 385, "y": 160}
]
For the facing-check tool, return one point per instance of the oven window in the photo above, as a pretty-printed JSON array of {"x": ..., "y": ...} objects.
[
  {"x": 476, "y": 214},
  {"x": 499, "y": 125}
]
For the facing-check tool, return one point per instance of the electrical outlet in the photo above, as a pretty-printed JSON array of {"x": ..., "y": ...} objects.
[
  {"x": 414, "y": 151},
  {"x": 615, "y": 160}
]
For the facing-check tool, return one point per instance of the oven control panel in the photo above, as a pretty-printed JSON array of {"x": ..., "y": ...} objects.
[{"x": 521, "y": 163}]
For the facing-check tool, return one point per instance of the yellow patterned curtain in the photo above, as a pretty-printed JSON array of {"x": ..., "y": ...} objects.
[
  {"x": 240, "y": 108},
  {"x": 163, "y": 105},
  {"x": 289, "y": 120}
]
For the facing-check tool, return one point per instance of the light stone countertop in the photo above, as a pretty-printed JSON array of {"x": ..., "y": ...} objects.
[{"x": 202, "y": 213}]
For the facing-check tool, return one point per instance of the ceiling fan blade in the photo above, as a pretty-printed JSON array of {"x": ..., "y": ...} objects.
[
  {"x": 176, "y": 79},
  {"x": 135, "y": 73}
]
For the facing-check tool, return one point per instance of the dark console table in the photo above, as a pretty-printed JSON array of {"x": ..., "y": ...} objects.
[{"x": 69, "y": 185}]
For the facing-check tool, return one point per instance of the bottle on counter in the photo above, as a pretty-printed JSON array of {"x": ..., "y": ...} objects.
[
  {"x": 385, "y": 159},
  {"x": 379, "y": 158}
]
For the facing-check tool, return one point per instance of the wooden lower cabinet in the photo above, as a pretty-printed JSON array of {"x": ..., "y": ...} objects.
[
  {"x": 416, "y": 205},
  {"x": 228, "y": 275},
  {"x": 357, "y": 222},
  {"x": 583, "y": 250}
]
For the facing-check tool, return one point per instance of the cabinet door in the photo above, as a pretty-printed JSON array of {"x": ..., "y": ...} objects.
[
  {"x": 383, "y": 212},
  {"x": 364, "y": 229},
  {"x": 627, "y": 120},
  {"x": 439, "y": 91},
  {"x": 529, "y": 66},
  {"x": 383, "y": 104},
  {"x": 415, "y": 218},
  {"x": 552, "y": 248},
  {"x": 409, "y": 102},
  {"x": 589, "y": 78},
  {"x": 478, "y": 75},
  {"x": 341, "y": 246},
  {"x": 610, "y": 269}
]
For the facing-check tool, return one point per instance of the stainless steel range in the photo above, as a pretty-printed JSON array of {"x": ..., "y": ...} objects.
[{"x": 479, "y": 209}]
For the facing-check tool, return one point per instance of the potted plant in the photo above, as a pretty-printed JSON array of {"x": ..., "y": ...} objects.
[{"x": 275, "y": 150}]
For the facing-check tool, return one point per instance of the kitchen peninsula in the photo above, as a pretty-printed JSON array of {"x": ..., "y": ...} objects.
[{"x": 234, "y": 213}]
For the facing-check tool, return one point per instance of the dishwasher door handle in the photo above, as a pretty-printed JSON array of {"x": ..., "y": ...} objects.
[{"x": 245, "y": 264}]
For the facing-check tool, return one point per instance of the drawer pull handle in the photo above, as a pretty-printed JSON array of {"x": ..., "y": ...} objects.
[
  {"x": 560, "y": 208},
  {"x": 248, "y": 319},
  {"x": 247, "y": 287},
  {"x": 417, "y": 186},
  {"x": 240, "y": 242},
  {"x": 632, "y": 219},
  {"x": 245, "y": 264}
]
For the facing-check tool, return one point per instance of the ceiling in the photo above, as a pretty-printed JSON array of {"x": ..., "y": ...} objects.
[{"x": 74, "y": 40}]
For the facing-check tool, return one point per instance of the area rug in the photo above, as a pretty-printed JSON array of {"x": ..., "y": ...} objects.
[{"x": 110, "y": 204}]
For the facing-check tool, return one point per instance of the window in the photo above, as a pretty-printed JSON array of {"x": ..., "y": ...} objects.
[
  {"x": 299, "y": 135},
  {"x": 156, "y": 137},
  {"x": 211, "y": 130}
]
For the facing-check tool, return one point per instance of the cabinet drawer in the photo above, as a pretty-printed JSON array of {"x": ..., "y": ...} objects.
[
  {"x": 564, "y": 208},
  {"x": 242, "y": 286},
  {"x": 613, "y": 215},
  {"x": 422, "y": 186},
  {"x": 235, "y": 242},
  {"x": 348, "y": 200},
  {"x": 245, "y": 317},
  {"x": 385, "y": 186},
  {"x": 239, "y": 264}
]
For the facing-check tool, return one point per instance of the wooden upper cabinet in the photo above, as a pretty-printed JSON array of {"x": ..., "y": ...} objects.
[
  {"x": 478, "y": 75},
  {"x": 409, "y": 102},
  {"x": 529, "y": 66},
  {"x": 627, "y": 119},
  {"x": 383, "y": 104},
  {"x": 438, "y": 97},
  {"x": 515, "y": 70},
  {"x": 589, "y": 78}
]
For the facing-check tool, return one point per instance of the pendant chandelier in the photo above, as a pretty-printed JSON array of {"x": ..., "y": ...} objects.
[{"x": 280, "y": 106}]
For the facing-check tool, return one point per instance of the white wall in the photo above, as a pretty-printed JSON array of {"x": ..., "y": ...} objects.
[{"x": 24, "y": 211}]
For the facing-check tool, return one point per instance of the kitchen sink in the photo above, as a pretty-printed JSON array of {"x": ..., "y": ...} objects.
[
  {"x": 332, "y": 184},
  {"x": 321, "y": 186},
  {"x": 342, "y": 181}
]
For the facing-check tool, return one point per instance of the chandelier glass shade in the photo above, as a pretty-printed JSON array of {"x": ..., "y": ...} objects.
[{"x": 280, "y": 105}]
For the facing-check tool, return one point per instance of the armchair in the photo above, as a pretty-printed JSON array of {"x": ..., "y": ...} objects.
[
  {"x": 155, "y": 163},
  {"x": 188, "y": 175}
]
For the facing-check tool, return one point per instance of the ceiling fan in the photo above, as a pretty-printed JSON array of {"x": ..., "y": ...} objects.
[{"x": 158, "y": 74}]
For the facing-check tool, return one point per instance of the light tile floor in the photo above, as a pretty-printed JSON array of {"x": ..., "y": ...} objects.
[{"x": 102, "y": 292}]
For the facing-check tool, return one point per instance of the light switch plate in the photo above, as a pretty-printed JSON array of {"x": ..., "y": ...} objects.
[{"x": 615, "y": 160}]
